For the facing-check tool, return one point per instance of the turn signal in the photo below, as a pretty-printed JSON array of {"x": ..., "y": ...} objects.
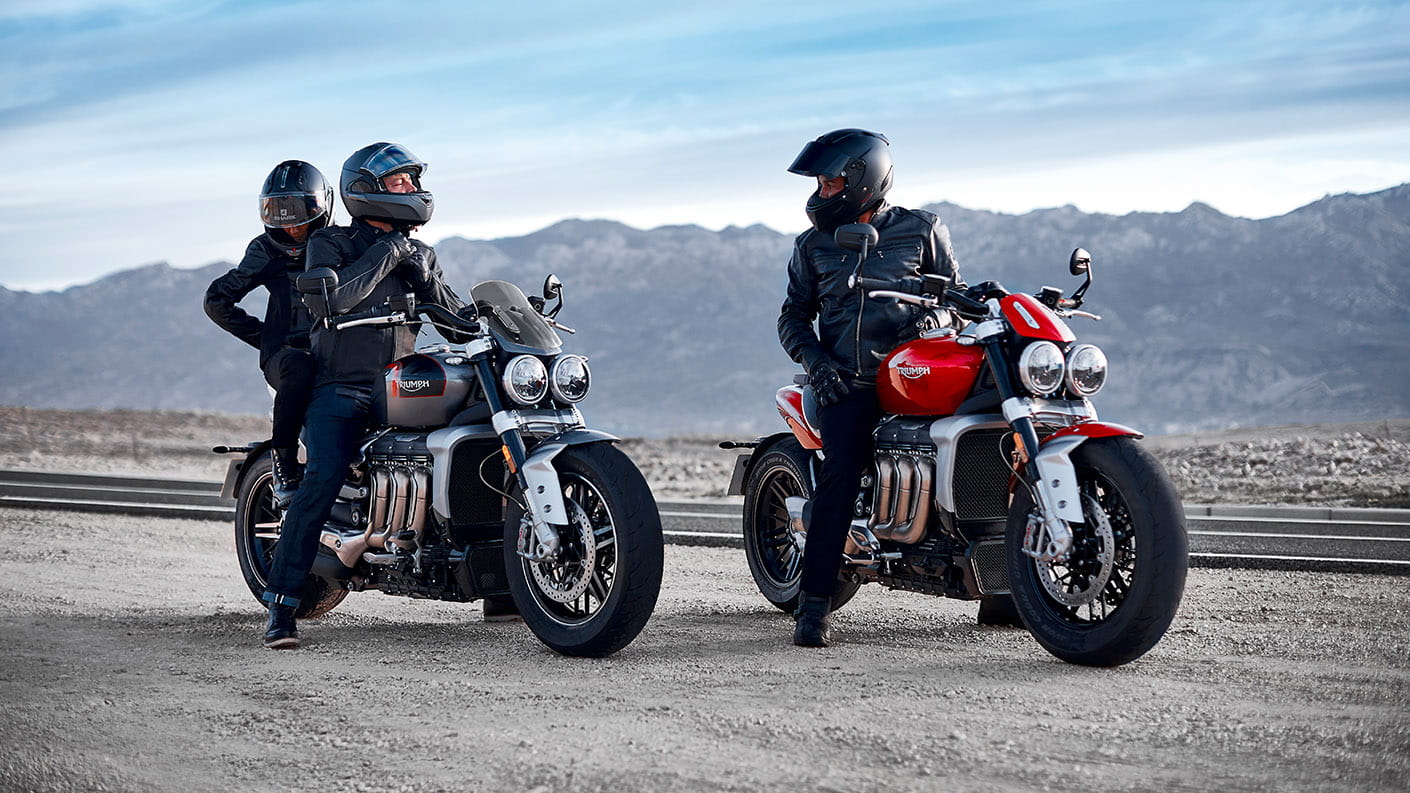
[{"x": 508, "y": 459}]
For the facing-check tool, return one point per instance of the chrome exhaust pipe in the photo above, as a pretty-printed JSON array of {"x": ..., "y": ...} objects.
[{"x": 915, "y": 528}]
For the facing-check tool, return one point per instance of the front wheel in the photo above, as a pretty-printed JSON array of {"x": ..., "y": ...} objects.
[
  {"x": 257, "y": 524},
  {"x": 774, "y": 550},
  {"x": 596, "y": 596},
  {"x": 1113, "y": 596}
]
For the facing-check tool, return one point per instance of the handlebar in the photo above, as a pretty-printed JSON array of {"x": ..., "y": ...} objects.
[{"x": 384, "y": 315}]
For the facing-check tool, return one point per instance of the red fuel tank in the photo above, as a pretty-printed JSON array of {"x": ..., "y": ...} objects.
[{"x": 928, "y": 377}]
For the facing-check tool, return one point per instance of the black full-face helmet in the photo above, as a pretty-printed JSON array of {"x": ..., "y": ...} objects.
[
  {"x": 295, "y": 195},
  {"x": 365, "y": 195},
  {"x": 863, "y": 157}
]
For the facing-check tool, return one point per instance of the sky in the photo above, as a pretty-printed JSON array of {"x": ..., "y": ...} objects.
[{"x": 141, "y": 131}]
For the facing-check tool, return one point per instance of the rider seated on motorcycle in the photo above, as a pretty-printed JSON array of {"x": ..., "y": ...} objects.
[
  {"x": 853, "y": 171},
  {"x": 375, "y": 259},
  {"x": 295, "y": 202}
]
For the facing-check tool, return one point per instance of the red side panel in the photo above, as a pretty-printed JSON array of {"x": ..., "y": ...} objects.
[
  {"x": 1033, "y": 320},
  {"x": 790, "y": 406},
  {"x": 927, "y": 377},
  {"x": 1096, "y": 429}
]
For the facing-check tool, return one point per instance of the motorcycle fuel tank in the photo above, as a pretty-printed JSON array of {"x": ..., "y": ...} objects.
[
  {"x": 423, "y": 390},
  {"x": 928, "y": 377}
]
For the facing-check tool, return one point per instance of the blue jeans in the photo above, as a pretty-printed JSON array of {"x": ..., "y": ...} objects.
[
  {"x": 847, "y": 448},
  {"x": 333, "y": 431}
]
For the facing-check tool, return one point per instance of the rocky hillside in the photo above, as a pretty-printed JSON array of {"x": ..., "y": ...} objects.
[{"x": 1209, "y": 320}]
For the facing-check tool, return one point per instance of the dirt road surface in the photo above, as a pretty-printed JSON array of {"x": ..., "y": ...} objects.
[{"x": 131, "y": 662}]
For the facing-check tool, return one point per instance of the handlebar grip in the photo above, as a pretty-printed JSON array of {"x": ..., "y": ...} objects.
[
  {"x": 375, "y": 311},
  {"x": 910, "y": 286}
]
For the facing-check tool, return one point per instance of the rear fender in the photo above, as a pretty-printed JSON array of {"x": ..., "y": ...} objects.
[
  {"x": 236, "y": 470},
  {"x": 744, "y": 465}
]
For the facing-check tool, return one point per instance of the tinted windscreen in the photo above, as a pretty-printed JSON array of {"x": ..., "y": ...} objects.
[{"x": 515, "y": 323}]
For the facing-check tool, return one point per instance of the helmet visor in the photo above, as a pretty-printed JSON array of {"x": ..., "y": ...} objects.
[
  {"x": 295, "y": 209},
  {"x": 820, "y": 159},
  {"x": 393, "y": 157}
]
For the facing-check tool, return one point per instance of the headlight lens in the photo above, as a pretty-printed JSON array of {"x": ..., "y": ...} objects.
[
  {"x": 1086, "y": 369},
  {"x": 1040, "y": 367},
  {"x": 525, "y": 379},
  {"x": 570, "y": 379}
]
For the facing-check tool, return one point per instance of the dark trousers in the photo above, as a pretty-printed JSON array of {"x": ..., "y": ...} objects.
[
  {"x": 847, "y": 451},
  {"x": 335, "y": 427},
  {"x": 290, "y": 372}
]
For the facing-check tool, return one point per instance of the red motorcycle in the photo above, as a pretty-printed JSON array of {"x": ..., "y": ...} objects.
[{"x": 993, "y": 479}]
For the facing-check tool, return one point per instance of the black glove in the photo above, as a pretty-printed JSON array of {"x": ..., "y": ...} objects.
[
  {"x": 397, "y": 244},
  {"x": 828, "y": 386},
  {"x": 415, "y": 269}
]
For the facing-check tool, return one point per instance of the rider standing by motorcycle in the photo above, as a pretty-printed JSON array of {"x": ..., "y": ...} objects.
[
  {"x": 295, "y": 202},
  {"x": 853, "y": 170},
  {"x": 375, "y": 259}
]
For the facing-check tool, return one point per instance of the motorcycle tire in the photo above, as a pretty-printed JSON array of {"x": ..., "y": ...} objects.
[
  {"x": 774, "y": 562},
  {"x": 255, "y": 514},
  {"x": 604, "y": 492},
  {"x": 1126, "y": 488}
]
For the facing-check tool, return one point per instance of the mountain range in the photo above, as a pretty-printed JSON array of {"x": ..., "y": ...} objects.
[{"x": 1208, "y": 320}]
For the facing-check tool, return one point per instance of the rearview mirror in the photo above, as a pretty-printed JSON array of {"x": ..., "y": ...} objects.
[
  {"x": 552, "y": 288},
  {"x": 1080, "y": 262},
  {"x": 315, "y": 281},
  {"x": 313, "y": 286},
  {"x": 859, "y": 237}
]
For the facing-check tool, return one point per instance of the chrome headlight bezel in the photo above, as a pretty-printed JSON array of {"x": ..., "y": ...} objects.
[
  {"x": 1085, "y": 357},
  {"x": 533, "y": 378},
  {"x": 1036, "y": 368},
  {"x": 558, "y": 374}
]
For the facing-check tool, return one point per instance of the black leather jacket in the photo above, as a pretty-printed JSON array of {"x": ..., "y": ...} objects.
[
  {"x": 366, "y": 259},
  {"x": 855, "y": 331},
  {"x": 286, "y": 321}
]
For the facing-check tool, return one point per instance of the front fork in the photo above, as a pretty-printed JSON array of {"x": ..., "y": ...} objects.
[
  {"x": 538, "y": 480},
  {"x": 1048, "y": 469}
]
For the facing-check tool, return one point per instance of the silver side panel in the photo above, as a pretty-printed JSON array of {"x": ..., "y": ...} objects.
[
  {"x": 441, "y": 444},
  {"x": 945, "y": 434}
]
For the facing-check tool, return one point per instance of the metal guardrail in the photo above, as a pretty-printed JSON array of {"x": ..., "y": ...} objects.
[{"x": 1294, "y": 538}]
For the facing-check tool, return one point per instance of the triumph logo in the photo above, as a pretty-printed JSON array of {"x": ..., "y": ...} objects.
[
  {"x": 913, "y": 372},
  {"x": 410, "y": 386}
]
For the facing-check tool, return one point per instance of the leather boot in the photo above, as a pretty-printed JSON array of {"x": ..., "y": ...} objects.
[
  {"x": 282, "y": 632},
  {"x": 288, "y": 473},
  {"x": 812, "y": 628}
]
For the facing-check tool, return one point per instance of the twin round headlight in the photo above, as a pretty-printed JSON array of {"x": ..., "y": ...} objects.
[
  {"x": 1042, "y": 369},
  {"x": 528, "y": 381}
]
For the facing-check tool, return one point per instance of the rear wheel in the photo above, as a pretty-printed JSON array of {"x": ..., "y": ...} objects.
[
  {"x": 773, "y": 548},
  {"x": 257, "y": 524},
  {"x": 598, "y": 593},
  {"x": 1113, "y": 596}
]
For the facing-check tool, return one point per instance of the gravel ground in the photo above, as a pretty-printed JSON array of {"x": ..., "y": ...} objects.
[
  {"x": 1361, "y": 465},
  {"x": 132, "y": 663},
  {"x": 142, "y": 672}
]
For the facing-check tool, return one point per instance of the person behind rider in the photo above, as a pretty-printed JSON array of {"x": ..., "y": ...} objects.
[
  {"x": 295, "y": 202},
  {"x": 374, "y": 258},
  {"x": 854, "y": 333}
]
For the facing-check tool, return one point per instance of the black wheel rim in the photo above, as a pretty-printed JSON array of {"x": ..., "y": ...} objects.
[
  {"x": 778, "y": 558},
  {"x": 1083, "y": 563},
  {"x": 261, "y": 517},
  {"x": 581, "y": 497}
]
